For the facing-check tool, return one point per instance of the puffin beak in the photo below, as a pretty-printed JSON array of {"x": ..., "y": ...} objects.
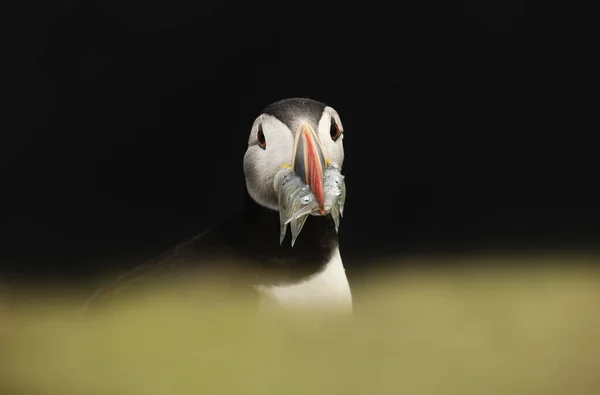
[{"x": 309, "y": 163}]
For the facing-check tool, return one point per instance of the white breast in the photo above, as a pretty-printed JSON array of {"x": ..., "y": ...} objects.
[{"x": 326, "y": 290}]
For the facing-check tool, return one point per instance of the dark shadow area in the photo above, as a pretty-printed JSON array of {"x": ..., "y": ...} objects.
[{"x": 468, "y": 125}]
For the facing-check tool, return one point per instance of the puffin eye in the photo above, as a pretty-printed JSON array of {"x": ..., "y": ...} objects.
[
  {"x": 260, "y": 138},
  {"x": 334, "y": 130}
]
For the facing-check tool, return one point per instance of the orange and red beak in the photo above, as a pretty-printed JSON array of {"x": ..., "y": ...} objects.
[{"x": 309, "y": 163}]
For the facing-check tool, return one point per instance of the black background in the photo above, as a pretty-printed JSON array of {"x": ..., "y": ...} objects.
[{"x": 468, "y": 124}]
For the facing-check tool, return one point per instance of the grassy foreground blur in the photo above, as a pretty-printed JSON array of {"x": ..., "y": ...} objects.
[{"x": 466, "y": 331}]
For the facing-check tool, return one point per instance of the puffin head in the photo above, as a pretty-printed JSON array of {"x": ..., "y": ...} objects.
[{"x": 303, "y": 133}]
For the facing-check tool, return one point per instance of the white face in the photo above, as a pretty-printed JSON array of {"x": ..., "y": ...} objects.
[{"x": 265, "y": 156}]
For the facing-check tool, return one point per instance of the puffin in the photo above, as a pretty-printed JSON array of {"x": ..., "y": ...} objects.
[{"x": 248, "y": 248}]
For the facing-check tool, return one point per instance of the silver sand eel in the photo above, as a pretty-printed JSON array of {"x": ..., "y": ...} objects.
[{"x": 296, "y": 200}]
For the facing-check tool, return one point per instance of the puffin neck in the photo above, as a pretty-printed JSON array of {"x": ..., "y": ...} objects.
[{"x": 313, "y": 249}]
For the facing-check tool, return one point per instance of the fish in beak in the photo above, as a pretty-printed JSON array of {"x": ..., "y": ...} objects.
[
  {"x": 309, "y": 163},
  {"x": 310, "y": 185}
]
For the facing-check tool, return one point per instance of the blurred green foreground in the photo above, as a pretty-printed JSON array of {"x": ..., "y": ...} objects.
[{"x": 465, "y": 331}]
